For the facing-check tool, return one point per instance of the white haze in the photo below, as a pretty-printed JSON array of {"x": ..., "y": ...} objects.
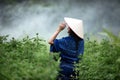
[{"x": 24, "y": 19}]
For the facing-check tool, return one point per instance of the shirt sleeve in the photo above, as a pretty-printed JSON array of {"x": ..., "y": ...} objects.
[{"x": 56, "y": 46}]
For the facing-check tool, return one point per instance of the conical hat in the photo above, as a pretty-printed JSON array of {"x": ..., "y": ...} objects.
[{"x": 76, "y": 25}]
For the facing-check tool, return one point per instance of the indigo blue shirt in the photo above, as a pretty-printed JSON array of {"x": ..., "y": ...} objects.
[{"x": 67, "y": 48}]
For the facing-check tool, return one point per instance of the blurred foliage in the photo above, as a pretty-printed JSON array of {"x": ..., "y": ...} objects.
[
  {"x": 26, "y": 59},
  {"x": 10, "y": 1},
  {"x": 29, "y": 59},
  {"x": 114, "y": 39},
  {"x": 42, "y": 2},
  {"x": 101, "y": 61}
]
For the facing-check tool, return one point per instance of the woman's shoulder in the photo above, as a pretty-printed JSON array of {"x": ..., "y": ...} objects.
[
  {"x": 68, "y": 38},
  {"x": 65, "y": 40}
]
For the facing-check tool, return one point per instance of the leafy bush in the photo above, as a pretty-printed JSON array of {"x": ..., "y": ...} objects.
[
  {"x": 27, "y": 59},
  {"x": 101, "y": 61}
]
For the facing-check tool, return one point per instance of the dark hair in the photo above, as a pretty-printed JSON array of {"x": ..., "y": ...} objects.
[{"x": 77, "y": 39}]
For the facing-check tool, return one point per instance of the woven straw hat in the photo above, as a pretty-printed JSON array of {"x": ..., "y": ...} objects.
[{"x": 76, "y": 25}]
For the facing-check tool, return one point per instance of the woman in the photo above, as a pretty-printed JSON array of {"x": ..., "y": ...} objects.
[{"x": 70, "y": 47}]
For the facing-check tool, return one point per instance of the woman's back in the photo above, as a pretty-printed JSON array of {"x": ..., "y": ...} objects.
[{"x": 69, "y": 52}]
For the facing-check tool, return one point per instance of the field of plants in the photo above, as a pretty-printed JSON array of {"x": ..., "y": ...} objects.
[{"x": 29, "y": 59}]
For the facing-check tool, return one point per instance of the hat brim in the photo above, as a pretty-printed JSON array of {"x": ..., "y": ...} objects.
[{"x": 76, "y": 25}]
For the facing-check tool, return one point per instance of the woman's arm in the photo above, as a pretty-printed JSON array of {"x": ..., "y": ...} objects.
[{"x": 59, "y": 29}]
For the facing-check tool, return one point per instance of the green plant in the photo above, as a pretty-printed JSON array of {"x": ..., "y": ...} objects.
[
  {"x": 101, "y": 61},
  {"x": 26, "y": 59},
  {"x": 29, "y": 59}
]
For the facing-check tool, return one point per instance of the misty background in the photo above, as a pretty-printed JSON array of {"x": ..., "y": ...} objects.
[{"x": 28, "y": 17}]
